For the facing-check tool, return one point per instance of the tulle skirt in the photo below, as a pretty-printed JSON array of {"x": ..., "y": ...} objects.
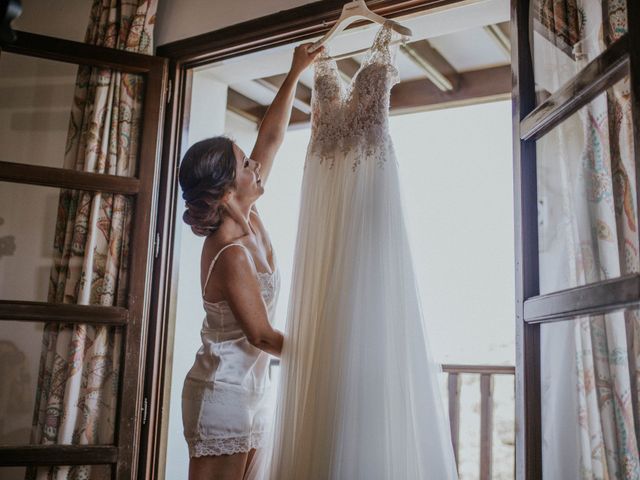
[{"x": 358, "y": 395}]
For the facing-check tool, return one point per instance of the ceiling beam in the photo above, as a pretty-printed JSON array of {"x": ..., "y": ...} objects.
[
  {"x": 436, "y": 68},
  {"x": 302, "y": 99},
  {"x": 254, "y": 111},
  {"x": 499, "y": 33},
  {"x": 473, "y": 87},
  {"x": 244, "y": 106}
]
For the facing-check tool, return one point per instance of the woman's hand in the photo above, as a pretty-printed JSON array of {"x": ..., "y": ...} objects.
[{"x": 302, "y": 58}]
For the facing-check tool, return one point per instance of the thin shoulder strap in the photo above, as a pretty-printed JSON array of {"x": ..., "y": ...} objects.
[{"x": 213, "y": 262}]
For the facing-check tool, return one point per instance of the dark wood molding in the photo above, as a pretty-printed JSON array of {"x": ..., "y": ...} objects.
[
  {"x": 143, "y": 246},
  {"x": 57, "y": 49},
  {"x": 165, "y": 274},
  {"x": 528, "y": 401},
  {"x": 296, "y": 24},
  {"x": 50, "y": 455},
  {"x": 601, "y": 73},
  {"x": 62, "y": 313},
  {"x": 67, "y": 178},
  {"x": 599, "y": 297}
]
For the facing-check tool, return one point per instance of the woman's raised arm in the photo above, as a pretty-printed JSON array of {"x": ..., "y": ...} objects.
[{"x": 276, "y": 119}]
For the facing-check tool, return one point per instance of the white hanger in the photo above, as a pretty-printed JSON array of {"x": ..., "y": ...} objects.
[{"x": 357, "y": 10}]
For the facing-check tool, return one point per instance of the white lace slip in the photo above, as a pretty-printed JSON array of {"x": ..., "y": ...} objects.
[
  {"x": 354, "y": 119},
  {"x": 226, "y": 446}
]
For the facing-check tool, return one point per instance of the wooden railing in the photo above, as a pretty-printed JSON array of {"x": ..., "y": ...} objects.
[{"x": 486, "y": 372}]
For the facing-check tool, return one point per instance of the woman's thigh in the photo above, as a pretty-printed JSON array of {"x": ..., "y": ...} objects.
[{"x": 220, "y": 467}]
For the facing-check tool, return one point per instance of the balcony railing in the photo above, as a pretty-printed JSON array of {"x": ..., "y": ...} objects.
[{"x": 487, "y": 374}]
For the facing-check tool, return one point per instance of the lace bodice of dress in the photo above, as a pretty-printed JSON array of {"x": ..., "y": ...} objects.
[{"x": 353, "y": 118}]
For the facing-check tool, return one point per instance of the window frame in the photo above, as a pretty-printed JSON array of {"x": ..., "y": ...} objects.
[{"x": 530, "y": 122}]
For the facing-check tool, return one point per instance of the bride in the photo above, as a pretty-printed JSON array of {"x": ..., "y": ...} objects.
[{"x": 224, "y": 398}]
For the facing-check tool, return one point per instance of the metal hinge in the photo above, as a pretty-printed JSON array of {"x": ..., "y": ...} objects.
[
  {"x": 156, "y": 245},
  {"x": 144, "y": 411},
  {"x": 169, "y": 91}
]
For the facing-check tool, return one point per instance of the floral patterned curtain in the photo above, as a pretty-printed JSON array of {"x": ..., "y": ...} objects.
[
  {"x": 599, "y": 221},
  {"x": 79, "y": 366}
]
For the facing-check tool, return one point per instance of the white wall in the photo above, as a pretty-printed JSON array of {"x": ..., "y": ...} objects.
[
  {"x": 66, "y": 19},
  {"x": 180, "y": 19},
  {"x": 175, "y": 19}
]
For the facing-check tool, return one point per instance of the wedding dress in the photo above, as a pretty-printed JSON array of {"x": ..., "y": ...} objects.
[{"x": 358, "y": 395}]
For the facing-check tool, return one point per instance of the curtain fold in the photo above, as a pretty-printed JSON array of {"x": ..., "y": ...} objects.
[{"x": 79, "y": 366}]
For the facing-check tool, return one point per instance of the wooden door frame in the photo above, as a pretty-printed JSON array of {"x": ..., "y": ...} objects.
[
  {"x": 134, "y": 319},
  {"x": 285, "y": 27}
]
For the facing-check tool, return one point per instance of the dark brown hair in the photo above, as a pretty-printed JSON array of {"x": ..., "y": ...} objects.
[{"x": 207, "y": 172}]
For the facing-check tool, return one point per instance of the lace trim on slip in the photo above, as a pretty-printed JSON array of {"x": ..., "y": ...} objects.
[{"x": 226, "y": 446}]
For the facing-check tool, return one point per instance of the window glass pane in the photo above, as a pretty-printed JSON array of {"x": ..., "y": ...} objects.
[
  {"x": 567, "y": 35},
  {"x": 589, "y": 372},
  {"x": 76, "y": 471},
  {"x": 58, "y": 383},
  {"x": 588, "y": 223},
  {"x": 51, "y": 114},
  {"x": 52, "y": 240}
]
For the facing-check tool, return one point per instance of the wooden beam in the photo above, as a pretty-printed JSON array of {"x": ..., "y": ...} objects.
[
  {"x": 47, "y": 455},
  {"x": 253, "y": 111},
  {"x": 602, "y": 72},
  {"x": 67, "y": 178},
  {"x": 436, "y": 68},
  {"x": 58, "y": 49},
  {"x": 589, "y": 299},
  {"x": 244, "y": 106},
  {"x": 302, "y": 100},
  {"x": 473, "y": 86},
  {"x": 500, "y": 38},
  {"x": 62, "y": 313},
  {"x": 417, "y": 95}
]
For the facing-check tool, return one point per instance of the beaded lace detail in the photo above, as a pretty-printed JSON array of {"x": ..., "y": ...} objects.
[
  {"x": 226, "y": 446},
  {"x": 354, "y": 119}
]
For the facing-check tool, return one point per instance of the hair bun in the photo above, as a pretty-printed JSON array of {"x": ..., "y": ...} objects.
[{"x": 207, "y": 172}]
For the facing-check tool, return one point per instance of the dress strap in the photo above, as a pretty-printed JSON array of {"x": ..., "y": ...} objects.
[{"x": 213, "y": 262}]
